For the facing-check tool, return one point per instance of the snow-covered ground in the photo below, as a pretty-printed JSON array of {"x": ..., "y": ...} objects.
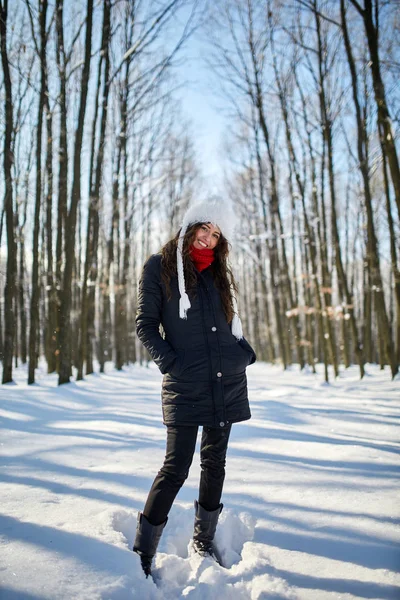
[{"x": 311, "y": 493}]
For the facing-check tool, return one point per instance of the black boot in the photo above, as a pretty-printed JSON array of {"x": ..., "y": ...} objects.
[
  {"x": 205, "y": 524},
  {"x": 146, "y": 541}
]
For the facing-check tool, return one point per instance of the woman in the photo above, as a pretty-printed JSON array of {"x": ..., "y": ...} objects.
[{"x": 189, "y": 289}]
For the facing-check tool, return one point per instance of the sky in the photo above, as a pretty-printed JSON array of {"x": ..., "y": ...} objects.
[{"x": 202, "y": 106}]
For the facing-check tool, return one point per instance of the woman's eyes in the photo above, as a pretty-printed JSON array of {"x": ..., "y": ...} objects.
[{"x": 215, "y": 234}]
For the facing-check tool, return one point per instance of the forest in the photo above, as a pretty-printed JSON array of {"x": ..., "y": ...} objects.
[{"x": 99, "y": 163}]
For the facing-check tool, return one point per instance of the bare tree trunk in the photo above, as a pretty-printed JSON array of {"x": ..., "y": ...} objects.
[
  {"x": 345, "y": 347},
  {"x": 372, "y": 244},
  {"x": 91, "y": 263},
  {"x": 327, "y": 128},
  {"x": 22, "y": 212},
  {"x": 367, "y": 327},
  {"x": 384, "y": 120},
  {"x": 312, "y": 256},
  {"x": 35, "y": 294},
  {"x": 310, "y": 326},
  {"x": 65, "y": 339},
  {"x": 114, "y": 257},
  {"x": 326, "y": 291},
  {"x": 50, "y": 342},
  {"x": 93, "y": 273},
  {"x": 52, "y": 296},
  {"x": 293, "y": 166},
  {"x": 393, "y": 256},
  {"x": 1, "y": 314},
  {"x": 273, "y": 246},
  {"x": 261, "y": 270},
  {"x": 10, "y": 286},
  {"x": 62, "y": 172},
  {"x": 317, "y": 291},
  {"x": 105, "y": 343},
  {"x": 112, "y": 252},
  {"x": 123, "y": 354},
  {"x": 22, "y": 309}
]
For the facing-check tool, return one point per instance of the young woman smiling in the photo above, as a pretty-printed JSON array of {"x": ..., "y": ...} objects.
[{"x": 189, "y": 289}]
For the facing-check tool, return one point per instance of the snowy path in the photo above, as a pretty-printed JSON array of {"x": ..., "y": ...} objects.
[{"x": 311, "y": 495}]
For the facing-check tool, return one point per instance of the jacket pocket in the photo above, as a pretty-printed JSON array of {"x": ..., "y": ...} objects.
[
  {"x": 192, "y": 364},
  {"x": 177, "y": 366},
  {"x": 235, "y": 359}
]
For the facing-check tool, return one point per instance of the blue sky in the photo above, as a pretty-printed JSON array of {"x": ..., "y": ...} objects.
[{"x": 202, "y": 107}]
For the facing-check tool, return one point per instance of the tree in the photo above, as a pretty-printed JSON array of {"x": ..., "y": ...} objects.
[
  {"x": 384, "y": 120},
  {"x": 70, "y": 231},
  {"x": 372, "y": 243},
  {"x": 34, "y": 309},
  {"x": 10, "y": 287}
]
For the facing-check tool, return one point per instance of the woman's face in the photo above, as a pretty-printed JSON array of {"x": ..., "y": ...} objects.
[{"x": 206, "y": 236}]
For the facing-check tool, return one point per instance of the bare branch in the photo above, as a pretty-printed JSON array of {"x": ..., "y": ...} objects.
[{"x": 358, "y": 7}]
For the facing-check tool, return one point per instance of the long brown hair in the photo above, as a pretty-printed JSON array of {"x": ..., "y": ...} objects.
[{"x": 222, "y": 273}]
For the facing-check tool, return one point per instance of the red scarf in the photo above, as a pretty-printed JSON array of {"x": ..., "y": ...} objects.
[{"x": 202, "y": 258}]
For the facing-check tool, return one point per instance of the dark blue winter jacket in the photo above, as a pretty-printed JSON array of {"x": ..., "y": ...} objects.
[{"x": 202, "y": 362}]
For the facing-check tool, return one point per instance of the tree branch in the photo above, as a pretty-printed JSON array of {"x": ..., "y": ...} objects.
[{"x": 357, "y": 7}]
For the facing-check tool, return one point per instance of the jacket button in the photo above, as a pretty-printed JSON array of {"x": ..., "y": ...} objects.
[
  {"x": 219, "y": 374},
  {"x": 213, "y": 329},
  {"x": 222, "y": 424}
]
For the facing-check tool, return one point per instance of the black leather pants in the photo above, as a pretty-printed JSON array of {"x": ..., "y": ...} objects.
[{"x": 181, "y": 443}]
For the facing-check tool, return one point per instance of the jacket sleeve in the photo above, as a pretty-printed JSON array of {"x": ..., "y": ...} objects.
[
  {"x": 148, "y": 317},
  {"x": 246, "y": 346}
]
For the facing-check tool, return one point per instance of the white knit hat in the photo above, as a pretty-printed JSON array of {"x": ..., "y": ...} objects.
[{"x": 219, "y": 213}]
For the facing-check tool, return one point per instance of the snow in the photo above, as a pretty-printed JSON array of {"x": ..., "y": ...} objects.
[{"x": 311, "y": 492}]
